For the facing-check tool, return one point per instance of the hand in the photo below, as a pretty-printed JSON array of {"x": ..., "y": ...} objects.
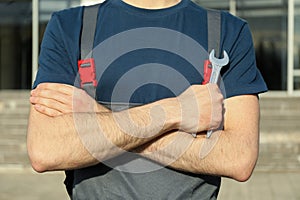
[
  {"x": 54, "y": 99},
  {"x": 201, "y": 108}
]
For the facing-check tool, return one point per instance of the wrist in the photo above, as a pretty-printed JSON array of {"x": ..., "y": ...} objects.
[{"x": 172, "y": 113}]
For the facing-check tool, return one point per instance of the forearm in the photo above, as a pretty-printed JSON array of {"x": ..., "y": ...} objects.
[
  {"x": 83, "y": 139},
  {"x": 231, "y": 153},
  {"x": 51, "y": 147},
  {"x": 65, "y": 131},
  {"x": 223, "y": 159}
]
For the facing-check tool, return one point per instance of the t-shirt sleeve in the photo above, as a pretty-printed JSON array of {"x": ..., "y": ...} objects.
[
  {"x": 242, "y": 76},
  {"x": 55, "y": 64}
]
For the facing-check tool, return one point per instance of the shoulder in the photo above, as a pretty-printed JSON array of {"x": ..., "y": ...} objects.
[
  {"x": 230, "y": 18},
  {"x": 232, "y": 23},
  {"x": 70, "y": 20},
  {"x": 229, "y": 21},
  {"x": 196, "y": 7},
  {"x": 234, "y": 29},
  {"x": 68, "y": 17},
  {"x": 63, "y": 27}
]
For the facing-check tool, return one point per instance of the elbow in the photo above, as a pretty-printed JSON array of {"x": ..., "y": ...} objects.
[
  {"x": 41, "y": 161},
  {"x": 243, "y": 174},
  {"x": 40, "y": 157},
  {"x": 38, "y": 166},
  {"x": 37, "y": 159},
  {"x": 41, "y": 149},
  {"x": 36, "y": 154},
  {"x": 243, "y": 168}
]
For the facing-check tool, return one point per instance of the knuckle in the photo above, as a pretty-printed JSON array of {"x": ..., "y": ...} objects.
[
  {"x": 42, "y": 85},
  {"x": 42, "y": 108},
  {"x": 46, "y": 92},
  {"x": 36, "y": 100},
  {"x": 216, "y": 116},
  {"x": 42, "y": 101},
  {"x": 215, "y": 123},
  {"x": 39, "y": 92},
  {"x": 32, "y": 99},
  {"x": 36, "y": 92}
]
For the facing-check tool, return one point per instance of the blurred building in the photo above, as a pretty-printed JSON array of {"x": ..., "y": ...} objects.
[{"x": 275, "y": 25}]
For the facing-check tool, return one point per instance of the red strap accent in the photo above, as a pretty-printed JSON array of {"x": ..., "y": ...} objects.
[
  {"x": 207, "y": 72},
  {"x": 87, "y": 72}
]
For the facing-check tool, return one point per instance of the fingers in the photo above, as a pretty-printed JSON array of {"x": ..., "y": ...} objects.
[
  {"x": 52, "y": 98},
  {"x": 47, "y": 111},
  {"x": 217, "y": 106},
  {"x": 201, "y": 108},
  {"x": 59, "y": 92},
  {"x": 59, "y": 87},
  {"x": 55, "y": 98},
  {"x": 50, "y": 103}
]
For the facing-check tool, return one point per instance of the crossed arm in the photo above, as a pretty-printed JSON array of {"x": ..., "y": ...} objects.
[{"x": 62, "y": 135}]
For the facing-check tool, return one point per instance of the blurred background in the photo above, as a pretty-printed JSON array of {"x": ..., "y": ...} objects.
[{"x": 275, "y": 26}]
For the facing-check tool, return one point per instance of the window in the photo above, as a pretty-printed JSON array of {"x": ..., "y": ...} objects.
[
  {"x": 268, "y": 22},
  {"x": 15, "y": 44},
  {"x": 16, "y": 38},
  {"x": 297, "y": 46}
]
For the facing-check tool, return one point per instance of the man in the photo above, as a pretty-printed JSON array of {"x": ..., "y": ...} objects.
[{"x": 147, "y": 151}]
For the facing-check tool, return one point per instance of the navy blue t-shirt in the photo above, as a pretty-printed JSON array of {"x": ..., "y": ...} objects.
[{"x": 143, "y": 56}]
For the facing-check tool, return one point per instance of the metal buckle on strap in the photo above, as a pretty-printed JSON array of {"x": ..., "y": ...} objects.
[{"x": 87, "y": 72}]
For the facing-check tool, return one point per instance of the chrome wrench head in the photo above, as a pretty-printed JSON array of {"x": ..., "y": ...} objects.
[{"x": 218, "y": 61}]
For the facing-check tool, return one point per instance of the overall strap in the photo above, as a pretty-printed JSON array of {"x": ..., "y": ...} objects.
[
  {"x": 214, "y": 30},
  {"x": 86, "y": 66},
  {"x": 213, "y": 40},
  {"x": 89, "y": 23}
]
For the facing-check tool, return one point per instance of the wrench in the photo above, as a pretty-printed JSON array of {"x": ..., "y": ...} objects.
[{"x": 217, "y": 65}]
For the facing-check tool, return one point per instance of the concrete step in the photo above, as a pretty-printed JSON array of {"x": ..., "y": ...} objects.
[
  {"x": 282, "y": 103},
  {"x": 14, "y": 160},
  {"x": 280, "y": 134},
  {"x": 280, "y": 114},
  {"x": 280, "y": 125},
  {"x": 279, "y": 157},
  {"x": 14, "y": 111}
]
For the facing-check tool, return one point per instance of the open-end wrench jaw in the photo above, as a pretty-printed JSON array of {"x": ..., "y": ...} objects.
[{"x": 219, "y": 61}]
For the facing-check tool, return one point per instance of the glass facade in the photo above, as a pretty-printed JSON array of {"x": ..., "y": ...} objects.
[
  {"x": 297, "y": 46},
  {"x": 268, "y": 23},
  {"x": 15, "y": 44},
  {"x": 16, "y": 38},
  {"x": 268, "y": 20},
  {"x": 47, "y": 7}
]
